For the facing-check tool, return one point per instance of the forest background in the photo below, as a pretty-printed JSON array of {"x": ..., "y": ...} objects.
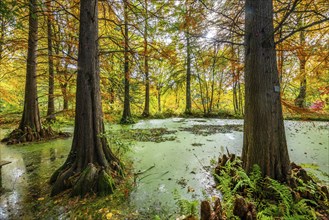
[{"x": 168, "y": 57}]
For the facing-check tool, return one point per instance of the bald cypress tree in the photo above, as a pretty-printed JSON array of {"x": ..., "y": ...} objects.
[
  {"x": 91, "y": 165},
  {"x": 30, "y": 128},
  {"x": 264, "y": 141}
]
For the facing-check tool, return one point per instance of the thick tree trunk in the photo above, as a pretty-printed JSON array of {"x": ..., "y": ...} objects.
[
  {"x": 188, "y": 108},
  {"x": 264, "y": 141},
  {"x": 126, "y": 116},
  {"x": 91, "y": 164},
  {"x": 31, "y": 116},
  {"x": 146, "y": 111},
  {"x": 30, "y": 128},
  {"x": 51, "y": 104}
]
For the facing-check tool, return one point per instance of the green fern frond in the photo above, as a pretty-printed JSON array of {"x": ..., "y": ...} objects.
[
  {"x": 284, "y": 194},
  {"x": 256, "y": 174},
  {"x": 243, "y": 180}
]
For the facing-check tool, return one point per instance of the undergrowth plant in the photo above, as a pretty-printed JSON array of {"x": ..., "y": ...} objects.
[
  {"x": 273, "y": 200},
  {"x": 186, "y": 207}
]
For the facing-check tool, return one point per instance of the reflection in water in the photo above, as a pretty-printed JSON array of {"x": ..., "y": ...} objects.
[
  {"x": 52, "y": 152},
  {"x": 32, "y": 161},
  {"x": 28, "y": 175}
]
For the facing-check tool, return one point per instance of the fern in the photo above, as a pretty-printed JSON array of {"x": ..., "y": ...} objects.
[
  {"x": 186, "y": 207},
  {"x": 267, "y": 211},
  {"x": 256, "y": 175},
  {"x": 284, "y": 193},
  {"x": 243, "y": 180},
  {"x": 303, "y": 208}
]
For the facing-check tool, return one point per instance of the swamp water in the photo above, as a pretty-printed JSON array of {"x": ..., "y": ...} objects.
[{"x": 179, "y": 165}]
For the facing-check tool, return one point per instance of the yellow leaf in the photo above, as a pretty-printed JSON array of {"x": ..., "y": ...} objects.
[
  {"x": 40, "y": 199},
  {"x": 116, "y": 212},
  {"x": 109, "y": 215}
]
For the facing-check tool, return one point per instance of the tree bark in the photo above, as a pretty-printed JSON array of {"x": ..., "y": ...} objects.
[
  {"x": 51, "y": 104},
  {"x": 91, "y": 164},
  {"x": 2, "y": 36},
  {"x": 65, "y": 96},
  {"x": 300, "y": 100},
  {"x": 126, "y": 116},
  {"x": 264, "y": 141},
  {"x": 146, "y": 111},
  {"x": 31, "y": 116},
  {"x": 188, "y": 108},
  {"x": 159, "y": 98}
]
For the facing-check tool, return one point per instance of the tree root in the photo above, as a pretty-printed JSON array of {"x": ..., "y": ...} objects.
[
  {"x": 214, "y": 212},
  {"x": 92, "y": 180},
  {"x": 19, "y": 136}
]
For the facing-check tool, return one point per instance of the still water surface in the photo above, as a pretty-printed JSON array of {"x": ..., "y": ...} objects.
[{"x": 181, "y": 166}]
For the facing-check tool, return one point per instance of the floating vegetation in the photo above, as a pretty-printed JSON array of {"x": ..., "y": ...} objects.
[
  {"x": 156, "y": 135},
  {"x": 212, "y": 129}
]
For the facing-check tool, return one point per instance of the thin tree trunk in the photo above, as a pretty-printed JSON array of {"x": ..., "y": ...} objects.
[
  {"x": 51, "y": 104},
  {"x": 159, "y": 99},
  {"x": 188, "y": 109},
  {"x": 235, "y": 102},
  {"x": 240, "y": 101},
  {"x": 219, "y": 89},
  {"x": 146, "y": 111},
  {"x": 213, "y": 80},
  {"x": 65, "y": 96},
  {"x": 280, "y": 62},
  {"x": 264, "y": 141},
  {"x": 90, "y": 165},
  {"x": 31, "y": 115},
  {"x": 126, "y": 116},
  {"x": 2, "y": 35},
  {"x": 176, "y": 98},
  {"x": 201, "y": 93},
  {"x": 300, "y": 100}
]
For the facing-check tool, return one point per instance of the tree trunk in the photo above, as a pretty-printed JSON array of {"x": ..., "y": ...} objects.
[
  {"x": 146, "y": 111},
  {"x": 264, "y": 141},
  {"x": 91, "y": 164},
  {"x": 31, "y": 116},
  {"x": 126, "y": 116},
  {"x": 65, "y": 96},
  {"x": 213, "y": 80},
  {"x": 30, "y": 128},
  {"x": 203, "y": 102},
  {"x": 2, "y": 35},
  {"x": 159, "y": 99},
  {"x": 51, "y": 104},
  {"x": 235, "y": 97},
  {"x": 280, "y": 55},
  {"x": 300, "y": 100},
  {"x": 240, "y": 94},
  {"x": 188, "y": 108}
]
